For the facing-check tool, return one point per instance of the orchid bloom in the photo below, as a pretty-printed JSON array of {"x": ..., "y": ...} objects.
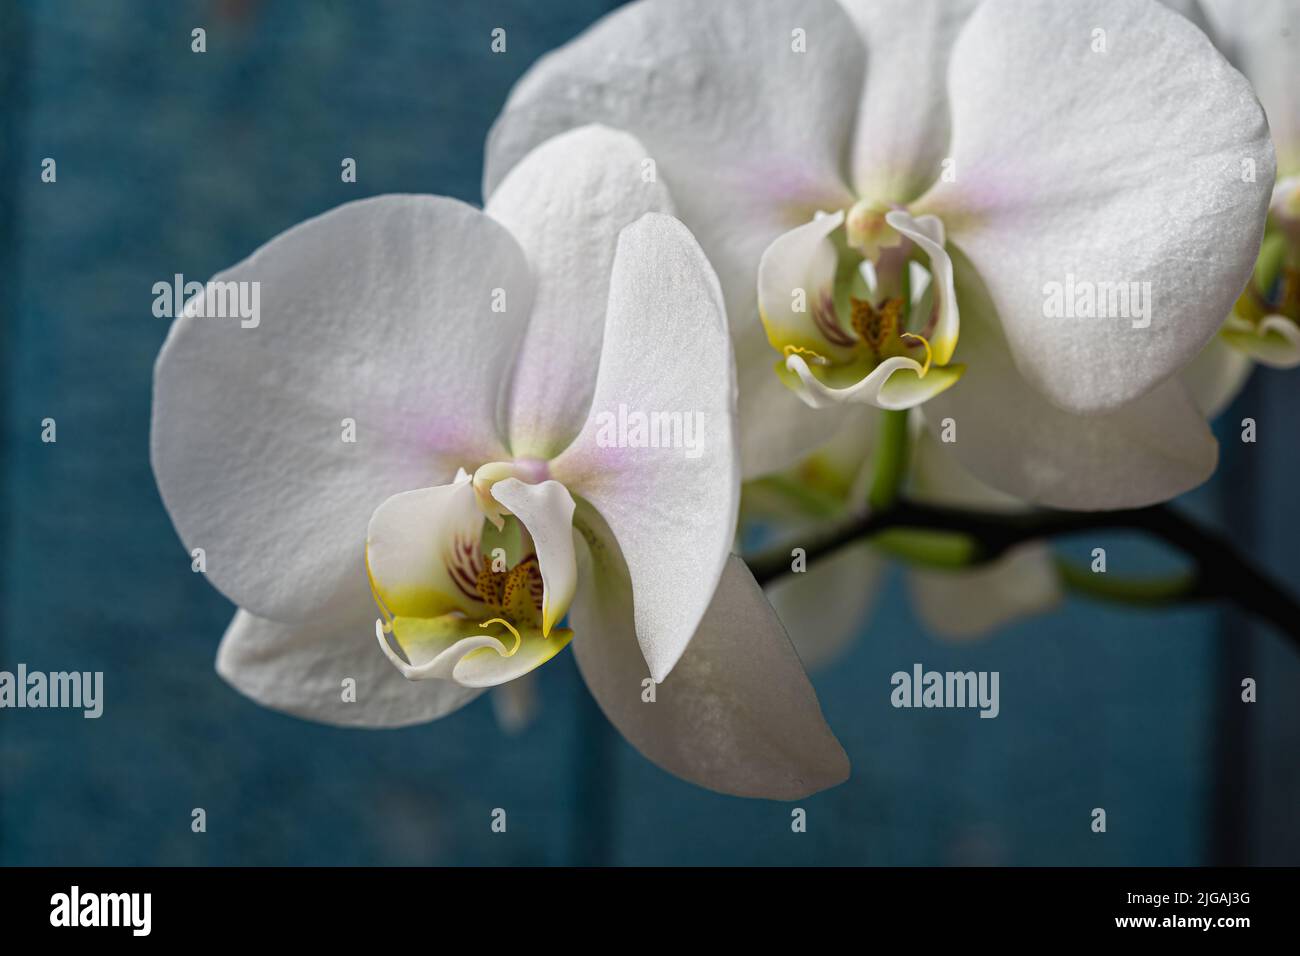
[
  {"x": 485, "y": 517},
  {"x": 888, "y": 189},
  {"x": 953, "y": 603},
  {"x": 1263, "y": 40}
]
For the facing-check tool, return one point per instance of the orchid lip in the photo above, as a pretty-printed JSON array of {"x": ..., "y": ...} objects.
[
  {"x": 482, "y": 564},
  {"x": 872, "y": 315}
]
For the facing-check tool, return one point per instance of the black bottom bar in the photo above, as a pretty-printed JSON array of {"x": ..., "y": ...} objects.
[{"x": 211, "y": 905}]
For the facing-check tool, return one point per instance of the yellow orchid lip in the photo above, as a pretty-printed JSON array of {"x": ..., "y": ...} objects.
[
  {"x": 451, "y": 647},
  {"x": 437, "y": 563},
  {"x": 814, "y": 357},
  {"x": 509, "y": 627},
  {"x": 929, "y": 353},
  {"x": 1265, "y": 320},
  {"x": 877, "y": 342},
  {"x": 435, "y": 645},
  {"x": 1271, "y": 340}
]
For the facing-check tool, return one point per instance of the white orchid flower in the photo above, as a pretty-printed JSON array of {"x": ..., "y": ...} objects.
[
  {"x": 956, "y": 604},
  {"x": 481, "y": 513},
  {"x": 1007, "y": 141},
  {"x": 1262, "y": 38}
]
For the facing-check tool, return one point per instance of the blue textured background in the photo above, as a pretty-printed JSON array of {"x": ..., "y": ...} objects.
[{"x": 174, "y": 162}]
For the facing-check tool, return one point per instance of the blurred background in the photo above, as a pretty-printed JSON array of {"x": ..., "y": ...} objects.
[{"x": 171, "y": 161}]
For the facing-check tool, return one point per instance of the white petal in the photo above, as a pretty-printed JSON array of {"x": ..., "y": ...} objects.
[
  {"x": 737, "y": 715},
  {"x": 1263, "y": 40},
  {"x": 750, "y": 137},
  {"x": 903, "y": 122},
  {"x": 379, "y": 311},
  {"x": 546, "y": 510},
  {"x": 1117, "y": 167},
  {"x": 565, "y": 203},
  {"x": 825, "y": 485},
  {"x": 672, "y": 509},
  {"x": 1216, "y": 376},
  {"x": 844, "y": 460},
  {"x": 973, "y": 601},
  {"x": 827, "y": 606},
  {"x": 1193, "y": 11},
  {"x": 301, "y": 668},
  {"x": 939, "y": 477},
  {"x": 1013, "y": 439}
]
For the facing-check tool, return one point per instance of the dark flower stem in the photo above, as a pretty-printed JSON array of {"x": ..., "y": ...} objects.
[{"x": 1219, "y": 571}]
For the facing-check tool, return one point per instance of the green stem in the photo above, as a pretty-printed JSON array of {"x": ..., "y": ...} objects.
[
  {"x": 932, "y": 549},
  {"x": 889, "y": 464},
  {"x": 1166, "y": 589}
]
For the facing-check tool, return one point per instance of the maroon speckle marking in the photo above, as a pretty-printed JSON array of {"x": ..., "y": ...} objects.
[{"x": 823, "y": 313}]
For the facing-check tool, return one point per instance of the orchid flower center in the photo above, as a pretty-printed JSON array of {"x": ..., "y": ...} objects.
[
  {"x": 462, "y": 583},
  {"x": 511, "y": 591},
  {"x": 880, "y": 329},
  {"x": 1277, "y": 286},
  {"x": 1265, "y": 322},
  {"x": 1284, "y": 297},
  {"x": 860, "y": 306}
]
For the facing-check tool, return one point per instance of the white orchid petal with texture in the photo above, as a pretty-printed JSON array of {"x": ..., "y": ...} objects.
[
  {"x": 300, "y": 669},
  {"x": 749, "y": 135},
  {"x": 1119, "y": 167},
  {"x": 566, "y": 206},
  {"x": 1216, "y": 376},
  {"x": 672, "y": 509},
  {"x": 379, "y": 311},
  {"x": 903, "y": 123},
  {"x": 1011, "y": 439},
  {"x": 1262, "y": 38},
  {"x": 480, "y": 430},
  {"x": 1003, "y": 125},
  {"x": 736, "y": 715}
]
